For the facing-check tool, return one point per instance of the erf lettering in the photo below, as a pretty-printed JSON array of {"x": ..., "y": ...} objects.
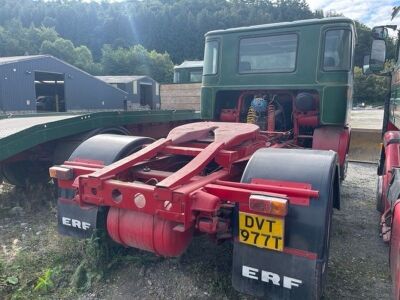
[{"x": 269, "y": 277}]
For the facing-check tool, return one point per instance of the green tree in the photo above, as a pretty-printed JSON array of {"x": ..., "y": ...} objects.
[
  {"x": 369, "y": 89},
  {"x": 137, "y": 60},
  {"x": 65, "y": 50}
]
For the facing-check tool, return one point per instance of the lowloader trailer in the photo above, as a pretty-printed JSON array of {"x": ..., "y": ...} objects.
[
  {"x": 31, "y": 143},
  {"x": 263, "y": 171}
]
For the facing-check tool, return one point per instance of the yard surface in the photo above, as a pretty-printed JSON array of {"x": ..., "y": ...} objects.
[{"x": 35, "y": 262}]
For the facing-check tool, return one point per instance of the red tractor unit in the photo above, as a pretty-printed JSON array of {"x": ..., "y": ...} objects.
[{"x": 262, "y": 171}]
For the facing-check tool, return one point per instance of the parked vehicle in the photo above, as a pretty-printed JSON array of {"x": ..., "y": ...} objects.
[
  {"x": 388, "y": 185},
  {"x": 262, "y": 171}
]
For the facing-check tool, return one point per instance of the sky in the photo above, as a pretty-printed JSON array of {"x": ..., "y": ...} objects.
[{"x": 369, "y": 12}]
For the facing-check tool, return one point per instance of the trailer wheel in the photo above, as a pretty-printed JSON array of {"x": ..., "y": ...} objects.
[
  {"x": 24, "y": 172},
  {"x": 307, "y": 228}
]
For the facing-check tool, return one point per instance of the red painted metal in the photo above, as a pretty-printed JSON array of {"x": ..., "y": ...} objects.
[
  {"x": 332, "y": 138},
  {"x": 390, "y": 219},
  {"x": 155, "y": 205},
  {"x": 143, "y": 154},
  {"x": 147, "y": 232},
  {"x": 308, "y": 119},
  {"x": 298, "y": 193},
  {"x": 193, "y": 168},
  {"x": 395, "y": 250},
  {"x": 392, "y": 159},
  {"x": 302, "y": 253}
]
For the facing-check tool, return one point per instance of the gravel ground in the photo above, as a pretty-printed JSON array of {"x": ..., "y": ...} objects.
[{"x": 358, "y": 267}]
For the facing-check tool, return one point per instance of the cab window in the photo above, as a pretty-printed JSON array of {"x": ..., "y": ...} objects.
[
  {"x": 195, "y": 76},
  {"x": 211, "y": 58},
  {"x": 268, "y": 54},
  {"x": 337, "y": 50}
]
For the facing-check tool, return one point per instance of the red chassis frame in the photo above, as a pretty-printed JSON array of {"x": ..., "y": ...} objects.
[
  {"x": 390, "y": 219},
  {"x": 187, "y": 197}
]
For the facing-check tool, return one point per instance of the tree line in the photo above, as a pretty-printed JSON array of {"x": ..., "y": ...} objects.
[{"x": 139, "y": 37}]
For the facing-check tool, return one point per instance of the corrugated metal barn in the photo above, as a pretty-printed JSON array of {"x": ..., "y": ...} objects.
[
  {"x": 45, "y": 83},
  {"x": 142, "y": 90}
]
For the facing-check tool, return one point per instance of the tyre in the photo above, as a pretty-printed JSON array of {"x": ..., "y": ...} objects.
[{"x": 25, "y": 172}]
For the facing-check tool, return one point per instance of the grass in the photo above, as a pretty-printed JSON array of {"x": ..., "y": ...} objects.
[{"x": 45, "y": 264}]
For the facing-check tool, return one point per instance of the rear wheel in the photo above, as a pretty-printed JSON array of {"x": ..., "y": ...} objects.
[
  {"x": 307, "y": 228},
  {"x": 29, "y": 172},
  {"x": 25, "y": 172}
]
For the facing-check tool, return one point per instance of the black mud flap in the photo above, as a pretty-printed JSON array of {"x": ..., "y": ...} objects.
[
  {"x": 299, "y": 272},
  {"x": 76, "y": 221},
  {"x": 274, "y": 275}
]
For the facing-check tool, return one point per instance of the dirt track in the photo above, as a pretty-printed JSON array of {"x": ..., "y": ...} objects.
[{"x": 358, "y": 267}]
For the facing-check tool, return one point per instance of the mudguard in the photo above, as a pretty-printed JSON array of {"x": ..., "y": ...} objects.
[
  {"x": 299, "y": 271},
  {"x": 108, "y": 148},
  {"x": 81, "y": 221}
]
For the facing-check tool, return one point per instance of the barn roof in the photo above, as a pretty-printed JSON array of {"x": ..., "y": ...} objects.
[
  {"x": 14, "y": 59},
  {"x": 121, "y": 79},
  {"x": 190, "y": 64}
]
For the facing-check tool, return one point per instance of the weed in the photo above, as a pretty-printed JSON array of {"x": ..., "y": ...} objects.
[{"x": 45, "y": 281}]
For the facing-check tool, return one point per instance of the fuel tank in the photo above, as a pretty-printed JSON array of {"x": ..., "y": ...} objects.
[{"x": 147, "y": 232}]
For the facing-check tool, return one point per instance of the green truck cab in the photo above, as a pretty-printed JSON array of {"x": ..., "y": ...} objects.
[
  {"x": 189, "y": 71},
  {"x": 284, "y": 58}
]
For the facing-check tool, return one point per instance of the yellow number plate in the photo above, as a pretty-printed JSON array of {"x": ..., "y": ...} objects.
[{"x": 261, "y": 231}]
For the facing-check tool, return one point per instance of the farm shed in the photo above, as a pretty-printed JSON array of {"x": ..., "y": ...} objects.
[
  {"x": 43, "y": 83},
  {"x": 143, "y": 91}
]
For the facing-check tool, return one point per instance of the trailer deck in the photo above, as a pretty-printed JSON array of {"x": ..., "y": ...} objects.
[{"x": 22, "y": 132}]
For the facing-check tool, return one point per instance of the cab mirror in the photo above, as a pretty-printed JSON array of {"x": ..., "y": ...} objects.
[
  {"x": 380, "y": 33},
  {"x": 378, "y": 56},
  {"x": 366, "y": 70}
]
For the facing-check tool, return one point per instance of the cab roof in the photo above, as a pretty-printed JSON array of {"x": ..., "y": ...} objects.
[{"x": 283, "y": 25}]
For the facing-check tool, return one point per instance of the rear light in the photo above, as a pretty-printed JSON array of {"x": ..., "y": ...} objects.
[
  {"x": 269, "y": 205},
  {"x": 62, "y": 173}
]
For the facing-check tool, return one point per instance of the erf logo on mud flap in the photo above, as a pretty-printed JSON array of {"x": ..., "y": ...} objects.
[
  {"x": 270, "y": 277},
  {"x": 75, "y": 223}
]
